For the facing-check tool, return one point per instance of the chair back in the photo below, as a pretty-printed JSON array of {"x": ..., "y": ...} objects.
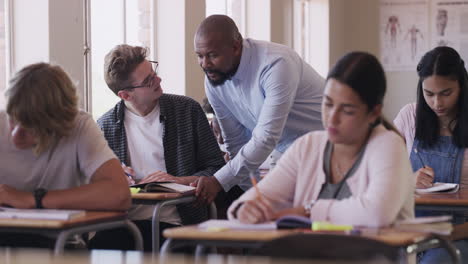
[{"x": 330, "y": 247}]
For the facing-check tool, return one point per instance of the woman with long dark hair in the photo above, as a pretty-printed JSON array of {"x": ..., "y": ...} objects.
[
  {"x": 435, "y": 128},
  {"x": 342, "y": 174}
]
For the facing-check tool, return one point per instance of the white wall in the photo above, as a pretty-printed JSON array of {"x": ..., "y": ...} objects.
[
  {"x": 176, "y": 22},
  {"x": 354, "y": 25},
  {"x": 281, "y": 22},
  {"x": 66, "y": 36},
  {"x": 258, "y": 19}
]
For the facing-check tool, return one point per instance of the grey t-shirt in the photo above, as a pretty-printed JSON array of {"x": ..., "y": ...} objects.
[
  {"x": 341, "y": 189},
  {"x": 71, "y": 163}
]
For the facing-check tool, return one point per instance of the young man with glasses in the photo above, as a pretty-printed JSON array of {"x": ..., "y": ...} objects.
[{"x": 160, "y": 137}]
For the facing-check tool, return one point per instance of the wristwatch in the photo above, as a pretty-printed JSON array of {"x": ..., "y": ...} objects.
[
  {"x": 308, "y": 206},
  {"x": 39, "y": 194}
]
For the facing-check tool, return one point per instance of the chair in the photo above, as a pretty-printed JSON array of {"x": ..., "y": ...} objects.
[{"x": 331, "y": 247}]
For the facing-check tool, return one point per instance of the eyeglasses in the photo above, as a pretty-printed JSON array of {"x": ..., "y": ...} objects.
[{"x": 148, "y": 82}]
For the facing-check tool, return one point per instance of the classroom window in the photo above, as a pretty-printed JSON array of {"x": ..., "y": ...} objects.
[
  {"x": 232, "y": 8},
  {"x": 114, "y": 22},
  {"x": 311, "y": 37},
  {"x": 3, "y": 51}
]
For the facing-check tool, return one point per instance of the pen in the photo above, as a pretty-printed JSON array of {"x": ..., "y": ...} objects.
[
  {"x": 254, "y": 184},
  {"x": 128, "y": 175}
]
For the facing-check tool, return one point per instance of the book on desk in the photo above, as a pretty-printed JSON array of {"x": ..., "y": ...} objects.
[
  {"x": 169, "y": 187},
  {"x": 45, "y": 214}
]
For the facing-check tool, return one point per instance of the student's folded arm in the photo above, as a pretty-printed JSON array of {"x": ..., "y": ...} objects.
[
  {"x": 389, "y": 189},
  {"x": 108, "y": 190},
  {"x": 278, "y": 186},
  {"x": 209, "y": 156}
]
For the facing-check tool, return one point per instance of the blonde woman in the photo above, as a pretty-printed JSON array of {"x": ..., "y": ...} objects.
[{"x": 52, "y": 154}]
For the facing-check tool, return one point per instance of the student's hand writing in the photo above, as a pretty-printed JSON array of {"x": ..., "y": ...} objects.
[
  {"x": 207, "y": 189},
  {"x": 424, "y": 177},
  {"x": 255, "y": 211},
  {"x": 129, "y": 173},
  {"x": 15, "y": 198}
]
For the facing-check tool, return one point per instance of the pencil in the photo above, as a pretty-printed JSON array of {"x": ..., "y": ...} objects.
[{"x": 254, "y": 184}]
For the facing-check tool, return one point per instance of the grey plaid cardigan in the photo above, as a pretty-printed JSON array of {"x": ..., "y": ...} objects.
[{"x": 190, "y": 147}]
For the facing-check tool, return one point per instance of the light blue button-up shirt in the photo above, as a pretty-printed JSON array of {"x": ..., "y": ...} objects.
[{"x": 274, "y": 98}]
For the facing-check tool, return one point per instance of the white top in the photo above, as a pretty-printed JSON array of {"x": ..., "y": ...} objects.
[
  {"x": 70, "y": 164},
  {"x": 382, "y": 186},
  {"x": 146, "y": 152}
]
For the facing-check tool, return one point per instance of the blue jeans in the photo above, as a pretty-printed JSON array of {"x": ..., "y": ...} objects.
[{"x": 441, "y": 255}]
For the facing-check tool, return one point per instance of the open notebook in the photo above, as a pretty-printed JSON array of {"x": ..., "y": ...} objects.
[
  {"x": 288, "y": 221},
  {"x": 46, "y": 214},
  {"x": 165, "y": 187}
]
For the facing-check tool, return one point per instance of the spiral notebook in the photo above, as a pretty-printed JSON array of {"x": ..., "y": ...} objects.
[{"x": 440, "y": 187}]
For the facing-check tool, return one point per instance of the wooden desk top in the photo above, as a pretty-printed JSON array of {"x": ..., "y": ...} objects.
[
  {"x": 91, "y": 217},
  {"x": 459, "y": 198},
  {"x": 155, "y": 196},
  {"x": 389, "y": 236},
  {"x": 23, "y": 256}
]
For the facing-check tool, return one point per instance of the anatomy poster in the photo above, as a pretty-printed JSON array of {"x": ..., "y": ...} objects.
[
  {"x": 449, "y": 25},
  {"x": 404, "y": 33}
]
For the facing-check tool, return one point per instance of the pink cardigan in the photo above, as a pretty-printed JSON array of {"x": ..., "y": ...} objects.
[{"x": 382, "y": 186}]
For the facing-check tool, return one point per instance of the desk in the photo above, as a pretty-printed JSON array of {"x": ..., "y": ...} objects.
[
  {"x": 247, "y": 239},
  {"x": 63, "y": 229},
  {"x": 159, "y": 200},
  {"x": 27, "y": 256},
  {"x": 444, "y": 202}
]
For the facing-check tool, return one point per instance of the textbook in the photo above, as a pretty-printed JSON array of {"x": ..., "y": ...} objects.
[
  {"x": 433, "y": 224},
  {"x": 165, "y": 187},
  {"x": 440, "y": 187},
  {"x": 45, "y": 214}
]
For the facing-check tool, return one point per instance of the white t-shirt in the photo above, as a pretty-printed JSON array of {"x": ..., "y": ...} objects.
[
  {"x": 146, "y": 152},
  {"x": 69, "y": 164}
]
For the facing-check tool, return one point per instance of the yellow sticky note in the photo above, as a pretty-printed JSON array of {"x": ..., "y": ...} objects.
[
  {"x": 325, "y": 226},
  {"x": 134, "y": 190}
]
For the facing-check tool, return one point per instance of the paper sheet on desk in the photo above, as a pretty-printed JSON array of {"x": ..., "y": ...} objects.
[{"x": 235, "y": 224}]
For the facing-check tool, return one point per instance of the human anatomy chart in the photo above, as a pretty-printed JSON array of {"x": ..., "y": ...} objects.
[
  {"x": 449, "y": 25},
  {"x": 404, "y": 33}
]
